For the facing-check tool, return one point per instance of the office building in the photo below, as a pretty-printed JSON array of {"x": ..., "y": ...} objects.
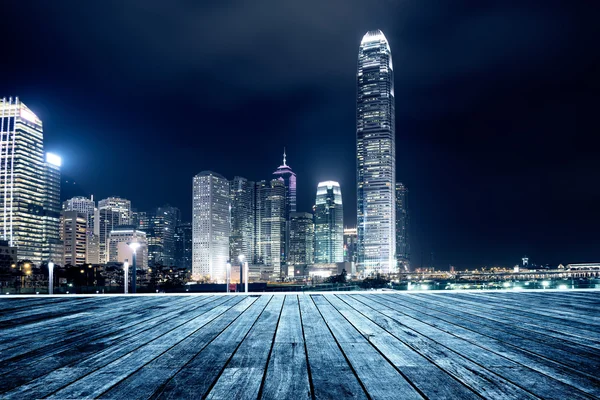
[
  {"x": 350, "y": 245},
  {"x": 329, "y": 223},
  {"x": 160, "y": 225},
  {"x": 88, "y": 207},
  {"x": 210, "y": 226},
  {"x": 119, "y": 250},
  {"x": 375, "y": 153},
  {"x": 112, "y": 212},
  {"x": 288, "y": 177},
  {"x": 52, "y": 248},
  {"x": 22, "y": 181},
  {"x": 402, "y": 224},
  {"x": 270, "y": 225},
  {"x": 183, "y": 245},
  {"x": 74, "y": 235},
  {"x": 241, "y": 240},
  {"x": 302, "y": 237}
]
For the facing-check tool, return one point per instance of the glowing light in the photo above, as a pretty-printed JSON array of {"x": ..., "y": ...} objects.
[
  {"x": 424, "y": 287},
  {"x": 545, "y": 283},
  {"x": 28, "y": 115},
  {"x": 506, "y": 284},
  {"x": 134, "y": 245},
  {"x": 562, "y": 287},
  {"x": 517, "y": 288},
  {"x": 53, "y": 159},
  {"x": 241, "y": 258}
]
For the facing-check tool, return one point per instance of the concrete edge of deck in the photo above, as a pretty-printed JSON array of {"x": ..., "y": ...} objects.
[{"x": 22, "y": 296}]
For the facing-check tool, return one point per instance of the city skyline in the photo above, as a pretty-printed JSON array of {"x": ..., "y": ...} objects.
[{"x": 481, "y": 115}]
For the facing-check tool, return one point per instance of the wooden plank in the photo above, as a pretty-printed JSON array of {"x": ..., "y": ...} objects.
[
  {"x": 429, "y": 379},
  {"x": 523, "y": 359},
  {"x": 104, "y": 378},
  {"x": 95, "y": 340},
  {"x": 188, "y": 369},
  {"x": 61, "y": 377},
  {"x": 467, "y": 364},
  {"x": 331, "y": 375},
  {"x": 243, "y": 375},
  {"x": 554, "y": 348},
  {"x": 287, "y": 371},
  {"x": 370, "y": 366}
]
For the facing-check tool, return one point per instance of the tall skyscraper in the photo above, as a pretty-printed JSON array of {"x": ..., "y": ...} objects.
[
  {"x": 329, "y": 223},
  {"x": 183, "y": 245},
  {"x": 288, "y": 177},
  {"x": 302, "y": 237},
  {"x": 402, "y": 223},
  {"x": 113, "y": 212},
  {"x": 210, "y": 226},
  {"x": 22, "y": 181},
  {"x": 241, "y": 239},
  {"x": 285, "y": 173},
  {"x": 88, "y": 207},
  {"x": 160, "y": 233},
  {"x": 376, "y": 155},
  {"x": 350, "y": 245},
  {"x": 53, "y": 246},
  {"x": 74, "y": 236},
  {"x": 270, "y": 225}
]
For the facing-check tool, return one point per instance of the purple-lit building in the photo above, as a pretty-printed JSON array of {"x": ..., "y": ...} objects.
[{"x": 285, "y": 174}]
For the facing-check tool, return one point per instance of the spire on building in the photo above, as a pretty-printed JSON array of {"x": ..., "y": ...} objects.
[{"x": 284, "y": 164}]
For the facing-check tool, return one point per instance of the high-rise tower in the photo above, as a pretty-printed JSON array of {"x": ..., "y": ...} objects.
[
  {"x": 402, "y": 224},
  {"x": 375, "y": 155},
  {"x": 210, "y": 226},
  {"x": 23, "y": 183},
  {"x": 285, "y": 173},
  {"x": 329, "y": 223}
]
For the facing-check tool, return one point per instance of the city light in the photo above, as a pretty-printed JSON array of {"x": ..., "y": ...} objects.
[
  {"x": 506, "y": 284},
  {"x": 562, "y": 287},
  {"x": 53, "y": 159},
  {"x": 545, "y": 284}
]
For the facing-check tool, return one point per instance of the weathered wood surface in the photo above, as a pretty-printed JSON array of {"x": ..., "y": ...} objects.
[{"x": 543, "y": 344}]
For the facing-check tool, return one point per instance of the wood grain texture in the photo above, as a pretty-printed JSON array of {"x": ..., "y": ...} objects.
[{"x": 378, "y": 345}]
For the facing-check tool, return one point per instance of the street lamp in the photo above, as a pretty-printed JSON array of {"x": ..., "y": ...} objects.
[
  {"x": 241, "y": 259},
  {"x": 228, "y": 277},
  {"x": 126, "y": 281},
  {"x": 133, "y": 246},
  {"x": 50, "y": 277}
]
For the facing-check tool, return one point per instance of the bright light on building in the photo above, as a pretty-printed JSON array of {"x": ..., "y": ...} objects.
[
  {"x": 28, "y": 115},
  {"x": 53, "y": 159},
  {"x": 562, "y": 287},
  {"x": 545, "y": 283},
  {"x": 506, "y": 284}
]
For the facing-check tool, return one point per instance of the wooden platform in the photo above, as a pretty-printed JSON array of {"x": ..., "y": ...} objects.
[{"x": 543, "y": 344}]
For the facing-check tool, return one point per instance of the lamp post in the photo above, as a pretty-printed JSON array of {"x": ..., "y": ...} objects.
[
  {"x": 241, "y": 259},
  {"x": 50, "y": 277},
  {"x": 126, "y": 280},
  {"x": 133, "y": 246},
  {"x": 246, "y": 273},
  {"x": 228, "y": 277}
]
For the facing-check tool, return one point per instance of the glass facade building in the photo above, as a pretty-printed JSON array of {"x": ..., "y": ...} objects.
[
  {"x": 329, "y": 223},
  {"x": 270, "y": 225},
  {"x": 241, "y": 240},
  {"x": 113, "y": 212},
  {"x": 402, "y": 223},
  {"x": 302, "y": 237},
  {"x": 210, "y": 226},
  {"x": 183, "y": 245},
  {"x": 375, "y": 155},
  {"x": 53, "y": 246},
  {"x": 160, "y": 225},
  {"x": 22, "y": 180}
]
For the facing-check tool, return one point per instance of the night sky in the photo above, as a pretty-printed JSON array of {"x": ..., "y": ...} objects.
[{"x": 496, "y": 108}]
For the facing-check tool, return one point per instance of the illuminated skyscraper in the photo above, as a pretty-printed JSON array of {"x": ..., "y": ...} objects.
[
  {"x": 270, "y": 225},
  {"x": 183, "y": 245},
  {"x": 375, "y": 155},
  {"x": 74, "y": 236},
  {"x": 52, "y": 248},
  {"x": 241, "y": 240},
  {"x": 302, "y": 238},
  {"x": 285, "y": 173},
  {"x": 29, "y": 185},
  {"x": 402, "y": 223},
  {"x": 113, "y": 212},
  {"x": 160, "y": 234},
  {"x": 329, "y": 223},
  {"x": 210, "y": 226}
]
